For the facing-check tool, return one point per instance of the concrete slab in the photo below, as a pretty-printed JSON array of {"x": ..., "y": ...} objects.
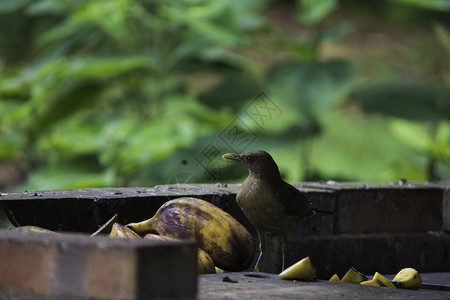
[{"x": 270, "y": 286}]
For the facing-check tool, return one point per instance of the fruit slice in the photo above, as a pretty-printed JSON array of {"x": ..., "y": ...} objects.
[
  {"x": 385, "y": 282},
  {"x": 302, "y": 270},
  {"x": 373, "y": 282},
  {"x": 335, "y": 278},
  {"x": 120, "y": 231},
  {"x": 353, "y": 276},
  {"x": 408, "y": 278}
]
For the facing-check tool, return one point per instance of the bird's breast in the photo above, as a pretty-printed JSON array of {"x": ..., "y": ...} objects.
[{"x": 260, "y": 204}]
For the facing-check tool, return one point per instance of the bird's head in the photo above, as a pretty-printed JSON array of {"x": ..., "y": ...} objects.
[{"x": 259, "y": 163}]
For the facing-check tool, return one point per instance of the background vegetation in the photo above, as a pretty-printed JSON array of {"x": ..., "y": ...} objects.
[{"x": 142, "y": 92}]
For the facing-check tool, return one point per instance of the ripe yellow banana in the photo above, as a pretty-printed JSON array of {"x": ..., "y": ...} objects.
[
  {"x": 408, "y": 278},
  {"x": 205, "y": 264},
  {"x": 228, "y": 243}
]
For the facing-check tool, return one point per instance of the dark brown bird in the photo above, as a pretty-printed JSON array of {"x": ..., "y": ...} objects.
[{"x": 269, "y": 203}]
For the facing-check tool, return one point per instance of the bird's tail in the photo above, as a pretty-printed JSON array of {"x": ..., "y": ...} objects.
[{"x": 317, "y": 210}]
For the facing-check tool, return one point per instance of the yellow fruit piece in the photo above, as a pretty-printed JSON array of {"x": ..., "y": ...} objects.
[
  {"x": 353, "y": 276},
  {"x": 335, "y": 278},
  {"x": 34, "y": 229},
  {"x": 205, "y": 264},
  {"x": 408, "y": 278},
  {"x": 155, "y": 237},
  {"x": 373, "y": 282},
  {"x": 302, "y": 270},
  {"x": 120, "y": 231},
  {"x": 385, "y": 282},
  {"x": 216, "y": 232}
]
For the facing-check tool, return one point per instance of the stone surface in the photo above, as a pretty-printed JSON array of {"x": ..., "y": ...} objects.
[
  {"x": 67, "y": 266},
  {"x": 403, "y": 210},
  {"x": 269, "y": 286}
]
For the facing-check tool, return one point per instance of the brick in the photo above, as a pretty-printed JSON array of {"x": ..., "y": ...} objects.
[
  {"x": 382, "y": 252},
  {"x": 446, "y": 209},
  {"x": 70, "y": 266},
  {"x": 388, "y": 210}
]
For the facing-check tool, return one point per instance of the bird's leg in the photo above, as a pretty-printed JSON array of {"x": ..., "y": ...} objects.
[
  {"x": 283, "y": 251},
  {"x": 262, "y": 247}
]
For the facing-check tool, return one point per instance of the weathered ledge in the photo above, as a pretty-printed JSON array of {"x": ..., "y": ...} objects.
[{"x": 374, "y": 226}]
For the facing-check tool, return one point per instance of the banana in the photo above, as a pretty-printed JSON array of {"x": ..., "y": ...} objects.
[
  {"x": 219, "y": 270},
  {"x": 229, "y": 244},
  {"x": 408, "y": 278},
  {"x": 33, "y": 229},
  {"x": 335, "y": 278},
  {"x": 373, "y": 282},
  {"x": 302, "y": 270},
  {"x": 384, "y": 281},
  {"x": 378, "y": 280},
  {"x": 155, "y": 237},
  {"x": 353, "y": 276},
  {"x": 120, "y": 231},
  {"x": 205, "y": 264}
]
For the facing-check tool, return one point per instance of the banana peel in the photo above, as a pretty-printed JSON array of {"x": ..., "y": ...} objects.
[
  {"x": 34, "y": 229},
  {"x": 353, "y": 276},
  {"x": 373, "y": 282},
  {"x": 302, "y": 270},
  {"x": 120, "y": 231},
  {"x": 216, "y": 232},
  {"x": 335, "y": 278},
  {"x": 205, "y": 264},
  {"x": 408, "y": 278},
  {"x": 384, "y": 281}
]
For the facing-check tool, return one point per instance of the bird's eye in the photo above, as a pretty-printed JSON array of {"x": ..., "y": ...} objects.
[{"x": 250, "y": 158}]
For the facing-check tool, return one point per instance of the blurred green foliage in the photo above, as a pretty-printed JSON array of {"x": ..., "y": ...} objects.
[{"x": 142, "y": 92}]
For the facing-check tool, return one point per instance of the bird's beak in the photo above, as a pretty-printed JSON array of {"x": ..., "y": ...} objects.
[{"x": 233, "y": 156}]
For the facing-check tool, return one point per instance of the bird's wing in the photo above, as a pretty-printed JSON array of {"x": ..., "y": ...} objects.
[{"x": 295, "y": 201}]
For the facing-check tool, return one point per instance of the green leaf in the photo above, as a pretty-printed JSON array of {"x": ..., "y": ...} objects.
[
  {"x": 65, "y": 177},
  {"x": 365, "y": 149},
  {"x": 443, "y": 36},
  {"x": 70, "y": 98},
  {"x": 412, "y": 134},
  {"x": 313, "y": 11},
  {"x": 310, "y": 88},
  {"x": 7, "y": 6},
  {"x": 412, "y": 101},
  {"x": 232, "y": 91},
  {"x": 441, "y": 5}
]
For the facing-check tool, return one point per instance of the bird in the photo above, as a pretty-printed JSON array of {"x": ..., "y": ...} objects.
[{"x": 270, "y": 204}]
